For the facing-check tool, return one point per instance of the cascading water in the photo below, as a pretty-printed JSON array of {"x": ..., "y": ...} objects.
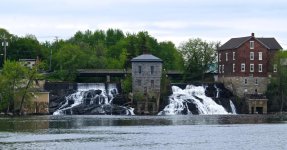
[
  {"x": 191, "y": 95},
  {"x": 93, "y": 98},
  {"x": 217, "y": 91},
  {"x": 233, "y": 109}
]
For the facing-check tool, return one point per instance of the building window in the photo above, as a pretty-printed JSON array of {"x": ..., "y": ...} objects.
[
  {"x": 226, "y": 56},
  {"x": 219, "y": 69},
  {"x": 243, "y": 67},
  {"x": 260, "y": 67},
  {"x": 152, "y": 83},
  {"x": 219, "y": 57},
  {"x": 260, "y": 55},
  {"x": 140, "y": 69},
  {"x": 139, "y": 82},
  {"x": 251, "y": 55},
  {"x": 251, "y": 44},
  {"x": 222, "y": 68},
  {"x": 275, "y": 68},
  {"x": 245, "y": 81},
  {"x": 151, "y": 69},
  {"x": 233, "y": 56},
  {"x": 233, "y": 67},
  {"x": 256, "y": 81},
  {"x": 251, "y": 67}
]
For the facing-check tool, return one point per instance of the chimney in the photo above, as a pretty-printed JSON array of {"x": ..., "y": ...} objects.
[{"x": 252, "y": 34}]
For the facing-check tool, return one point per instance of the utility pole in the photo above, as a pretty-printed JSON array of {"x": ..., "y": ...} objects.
[{"x": 4, "y": 44}]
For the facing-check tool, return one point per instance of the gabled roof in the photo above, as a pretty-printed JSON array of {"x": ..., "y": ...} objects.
[
  {"x": 146, "y": 58},
  {"x": 269, "y": 43}
]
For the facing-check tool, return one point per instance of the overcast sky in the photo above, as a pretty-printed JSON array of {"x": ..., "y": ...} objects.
[{"x": 166, "y": 20}]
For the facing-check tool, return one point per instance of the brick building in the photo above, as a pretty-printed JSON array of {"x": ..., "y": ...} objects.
[
  {"x": 146, "y": 77},
  {"x": 245, "y": 63}
]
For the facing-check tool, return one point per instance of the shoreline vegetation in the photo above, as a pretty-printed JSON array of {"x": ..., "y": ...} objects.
[{"x": 59, "y": 60}]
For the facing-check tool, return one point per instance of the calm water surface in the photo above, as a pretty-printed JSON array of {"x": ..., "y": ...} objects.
[{"x": 263, "y": 132}]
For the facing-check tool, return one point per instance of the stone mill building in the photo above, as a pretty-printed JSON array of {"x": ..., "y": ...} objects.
[
  {"x": 146, "y": 78},
  {"x": 245, "y": 66}
]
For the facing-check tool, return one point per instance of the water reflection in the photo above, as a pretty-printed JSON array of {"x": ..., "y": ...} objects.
[{"x": 35, "y": 123}]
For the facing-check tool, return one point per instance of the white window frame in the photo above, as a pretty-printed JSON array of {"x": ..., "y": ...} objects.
[
  {"x": 251, "y": 55},
  {"x": 242, "y": 67},
  {"x": 260, "y": 67},
  {"x": 251, "y": 44},
  {"x": 219, "y": 69},
  {"x": 222, "y": 69},
  {"x": 233, "y": 67},
  {"x": 233, "y": 55},
  {"x": 251, "y": 67},
  {"x": 260, "y": 55},
  {"x": 219, "y": 57},
  {"x": 275, "y": 68},
  {"x": 226, "y": 56}
]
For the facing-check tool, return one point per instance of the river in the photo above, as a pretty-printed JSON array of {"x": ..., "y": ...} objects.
[{"x": 107, "y": 132}]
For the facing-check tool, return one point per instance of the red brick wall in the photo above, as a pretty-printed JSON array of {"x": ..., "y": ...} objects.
[{"x": 243, "y": 56}]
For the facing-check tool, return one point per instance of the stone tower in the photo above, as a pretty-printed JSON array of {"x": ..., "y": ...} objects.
[{"x": 146, "y": 77}]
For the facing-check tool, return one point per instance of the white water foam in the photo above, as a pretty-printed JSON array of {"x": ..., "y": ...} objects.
[
  {"x": 112, "y": 90},
  {"x": 233, "y": 109},
  {"x": 101, "y": 99},
  {"x": 217, "y": 91},
  {"x": 191, "y": 94}
]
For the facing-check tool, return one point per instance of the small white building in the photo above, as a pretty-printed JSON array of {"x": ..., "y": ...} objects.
[{"x": 28, "y": 62}]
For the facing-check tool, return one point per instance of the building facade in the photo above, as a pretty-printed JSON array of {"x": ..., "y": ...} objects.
[
  {"x": 146, "y": 78},
  {"x": 245, "y": 64}
]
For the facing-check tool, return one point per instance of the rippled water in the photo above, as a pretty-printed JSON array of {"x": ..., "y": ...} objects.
[{"x": 145, "y": 132}]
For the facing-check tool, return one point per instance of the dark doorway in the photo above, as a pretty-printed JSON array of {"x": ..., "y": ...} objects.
[
  {"x": 259, "y": 110},
  {"x": 252, "y": 110}
]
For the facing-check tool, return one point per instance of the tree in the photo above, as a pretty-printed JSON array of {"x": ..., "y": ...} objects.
[
  {"x": 277, "y": 89},
  {"x": 31, "y": 75},
  {"x": 68, "y": 58},
  {"x": 197, "y": 55},
  {"x": 12, "y": 77},
  {"x": 171, "y": 57}
]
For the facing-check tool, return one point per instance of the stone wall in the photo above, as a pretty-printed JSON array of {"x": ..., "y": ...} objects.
[
  {"x": 256, "y": 106},
  {"x": 146, "y": 85},
  {"x": 238, "y": 86}
]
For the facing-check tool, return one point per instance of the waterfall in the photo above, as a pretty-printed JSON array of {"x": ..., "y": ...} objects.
[
  {"x": 181, "y": 98},
  {"x": 217, "y": 91},
  {"x": 233, "y": 109},
  {"x": 112, "y": 91},
  {"x": 92, "y": 98}
]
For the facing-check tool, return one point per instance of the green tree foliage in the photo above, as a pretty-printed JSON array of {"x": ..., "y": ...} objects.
[
  {"x": 111, "y": 49},
  {"x": 127, "y": 84},
  {"x": 198, "y": 55},
  {"x": 277, "y": 89},
  {"x": 11, "y": 82},
  {"x": 16, "y": 80},
  {"x": 107, "y": 50},
  {"x": 27, "y": 47}
]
